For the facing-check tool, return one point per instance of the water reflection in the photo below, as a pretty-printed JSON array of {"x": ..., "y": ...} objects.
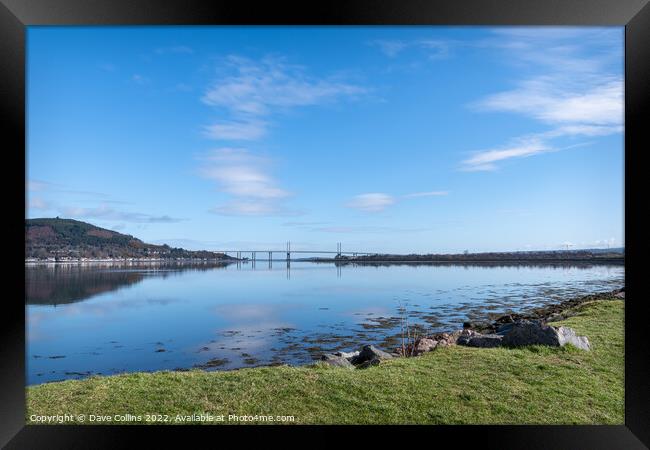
[
  {"x": 55, "y": 284},
  {"x": 112, "y": 318}
]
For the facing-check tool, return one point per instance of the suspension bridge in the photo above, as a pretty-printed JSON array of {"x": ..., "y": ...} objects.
[{"x": 285, "y": 254}]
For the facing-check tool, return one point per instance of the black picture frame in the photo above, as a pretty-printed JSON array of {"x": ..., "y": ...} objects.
[{"x": 15, "y": 15}]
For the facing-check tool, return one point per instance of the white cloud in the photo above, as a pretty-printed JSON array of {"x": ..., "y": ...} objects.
[
  {"x": 485, "y": 160},
  {"x": 426, "y": 194},
  {"x": 611, "y": 242},
  {"x": 390, "y": 47},
  {"x": 433, "y": 48},
  {"x": 180, "y": 49},
  {"x": 247, "y": 178},
  {"x": 103, "y": 211},
  {"x": 140, "y": 79},
  {"x": 258, "y": 87},
  {"x": 37, "y": 203},
  {"x": 249, "y": 90},
  {"x": 236, "y": 131},
  {"x": 253, "y": 208},
  {"x": 377, "y": 201},
  {"x": 34, "y": 185},
  {"x": 373, "y": 202},
  {"x": 584, "y": 130},
  {"x": 107, "y": 213},
  {"x": 367, "y": 229},
  {"x": 241, "y": 174},
  {"x": 108, "y": 67},
  {"x": 576, "y": 92},
  {"x": 545, "y": 99}
]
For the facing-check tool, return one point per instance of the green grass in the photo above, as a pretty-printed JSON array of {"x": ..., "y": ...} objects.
[{"x": 457, "y": 385}]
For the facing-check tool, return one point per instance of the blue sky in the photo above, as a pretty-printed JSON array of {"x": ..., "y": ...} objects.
[{"x": 387, "y": 139}]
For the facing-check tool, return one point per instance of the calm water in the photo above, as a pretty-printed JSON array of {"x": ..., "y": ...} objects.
[{"x": 106, "y": 319}]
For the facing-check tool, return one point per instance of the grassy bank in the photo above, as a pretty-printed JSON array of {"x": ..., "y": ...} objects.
[{"x": 453, "y": 385}]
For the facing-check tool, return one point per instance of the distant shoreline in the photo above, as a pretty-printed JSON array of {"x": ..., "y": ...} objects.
[
  {"x": 471, "y": 261},
  {"x": 617, "y": 261},
  {"x": 142, "y": 260}
]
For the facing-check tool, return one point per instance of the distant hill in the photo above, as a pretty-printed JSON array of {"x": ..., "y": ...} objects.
[{"x": 68, "y": 239}]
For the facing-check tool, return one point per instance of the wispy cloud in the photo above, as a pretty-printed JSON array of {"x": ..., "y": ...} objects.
[
  {"x": 37, "y": 203},
  {"x": 46, "y": 188},
  {"x": 37, "y": 189},
  {"x": 390, "y": 47},
  {"x": 248, "y": 90},
  {"x": 378, "y": 201},
  {"x": 178, "y": 49},
  {"x": 245, "y": 130},
  {"x": 328, "y": 227},
  {"x": 611, "y": 242},
  {"x": 577, "y": 90},
  {"x": 247, "y": 178},
  {"x": 254, "y": 208},
  {"x": 373, "y": 202},
  {"x": 140, "y": 79},
  {"x": 107, "y": 67},
  {"x": 302, "y": 224},
  {"x": 107, "y": 213},
  {"x": 596, "y": 105},
  {"x": 433, "y": 48},
  {"x": 426, "y": 194},
  {"x": 241, "y": 173},
  {"x": 37, "y": 186},
  {"x": 486, "y": 160},
  {"x": 367, "y": 229}
]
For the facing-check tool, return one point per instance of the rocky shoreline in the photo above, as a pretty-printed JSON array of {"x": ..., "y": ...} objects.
[{"x": 510, "y": 330}]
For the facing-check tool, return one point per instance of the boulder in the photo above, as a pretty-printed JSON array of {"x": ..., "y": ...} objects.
[
  {"x": 369, "y": 363},
  {"x": 567, "y": 335},
  {"x": 620, "y": 294},
  {"x": 425, "y": 345},
  {"x": 504, "y": 329},
  {"x": 476, "y": 325},
  {"x": 528, "y": 332},
  {"x": 368, "y": 353},
  {"x": 481, "y": 340},
  {"x": 453, "y": 337},
  {"x": 347, "y": 355},
  {"x": 443, "y": 339},
  {"x": 335, "y": 360},
  {"x": 508, "y": 318}
]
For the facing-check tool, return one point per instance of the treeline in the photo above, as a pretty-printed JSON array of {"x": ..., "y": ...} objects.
[
  {"x": 66, "y": 239},
  {"x": 573, "y": 255}
]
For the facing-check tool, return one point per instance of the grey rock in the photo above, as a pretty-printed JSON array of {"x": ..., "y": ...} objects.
[
  {"x": 452, "y": 338},
  {"x": 334, "y": 360},
  {"x": 369, "y": 363},
  {"x": 368, "y": 353},
  {"x": 555, "y": 317},
  {"x": 347, "y": 355},
  {"x": 504, "y": 329},
  {"x": 620, "y": 294},
  {"x": 566, "y": 335},
  {"x": 476, "y": 325},
  {"x": 528, "y": 332},
  {"x": 481, "y": 340},
  {"x": 425, "y": 345}
]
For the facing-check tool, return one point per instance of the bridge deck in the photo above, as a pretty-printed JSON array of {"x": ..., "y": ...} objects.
[{"x": 295, "y": 251}]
